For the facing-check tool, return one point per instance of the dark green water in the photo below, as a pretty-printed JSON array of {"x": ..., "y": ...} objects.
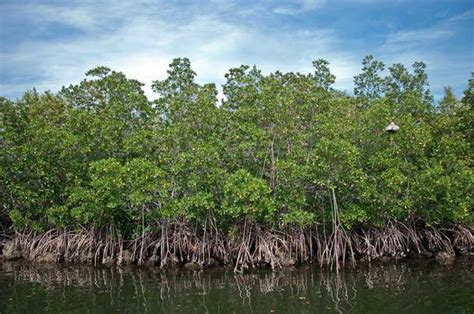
[{"x": 409, "y": 286}]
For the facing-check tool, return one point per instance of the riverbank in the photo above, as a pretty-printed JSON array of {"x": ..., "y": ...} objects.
[{"x": 249, "y": 246}]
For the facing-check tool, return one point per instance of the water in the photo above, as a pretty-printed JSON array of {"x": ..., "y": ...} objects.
[{"x": 408, "y": 286}]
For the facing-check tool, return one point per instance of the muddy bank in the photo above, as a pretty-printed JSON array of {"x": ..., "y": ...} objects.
[{"x": 248, "y": 246}]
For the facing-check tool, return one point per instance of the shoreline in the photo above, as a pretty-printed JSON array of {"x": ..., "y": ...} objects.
[{"x": 254, "y": 247}]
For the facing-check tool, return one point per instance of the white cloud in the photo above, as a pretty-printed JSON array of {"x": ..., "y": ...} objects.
[
  {"x": 411, "y": 39},
  {"x": 429, "y": 45},
  {"x": 298, "y": 6},
  {"x": 423, "y": 35},
  {"x": 142, "y": 45},
  {"x": 424, "y": 38},
  {"x": 467, "y": 15},
  {"x": 141, "y": 39},
  {"x": 295, "y": 7}
]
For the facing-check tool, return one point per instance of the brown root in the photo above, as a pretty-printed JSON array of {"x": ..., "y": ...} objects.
[{"x": 177, "y": 242}]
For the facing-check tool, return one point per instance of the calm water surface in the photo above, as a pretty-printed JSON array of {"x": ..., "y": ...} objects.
[{"x": 409, "y": 286}]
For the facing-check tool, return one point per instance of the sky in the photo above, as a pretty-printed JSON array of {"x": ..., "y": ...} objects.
[{"x": 48, "y": 44}]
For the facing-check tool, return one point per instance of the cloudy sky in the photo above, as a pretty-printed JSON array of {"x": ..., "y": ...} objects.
[{"x": 47, "y": 44}]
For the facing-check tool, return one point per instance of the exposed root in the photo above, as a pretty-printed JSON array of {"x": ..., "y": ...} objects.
[
  {"x": 462, "y": 239},
  {"x": 176, "y": 242},
  {"x": 338, "y": 245}
]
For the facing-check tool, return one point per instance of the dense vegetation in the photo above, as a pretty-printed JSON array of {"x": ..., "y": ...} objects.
[{"x": 280, "y": 151}]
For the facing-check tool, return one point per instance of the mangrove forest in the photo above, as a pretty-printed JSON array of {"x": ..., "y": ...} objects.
[{"x": 275, "y": 170}]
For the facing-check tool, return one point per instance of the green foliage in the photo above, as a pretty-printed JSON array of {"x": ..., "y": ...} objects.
[
  {"x": 299, "y": 217},
  {"x": 322, "y": 74},
  {"x": 117, "y": 194},
  {"x": 449, "y": 102},
  {"x": 246, "y": 195},
  {"x": 99, "y": 154},
  {"x": 401, "y": 84},
  {"x": 369, "y": 83}
]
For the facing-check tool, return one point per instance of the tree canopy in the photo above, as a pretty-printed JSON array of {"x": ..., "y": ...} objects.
[{"x": 101, "y": 154}]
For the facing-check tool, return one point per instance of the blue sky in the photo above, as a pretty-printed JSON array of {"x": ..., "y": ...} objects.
[{"x": 47, "y": 44}]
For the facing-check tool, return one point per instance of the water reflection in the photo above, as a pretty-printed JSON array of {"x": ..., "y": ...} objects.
[{"x": 402, "y": 286}]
